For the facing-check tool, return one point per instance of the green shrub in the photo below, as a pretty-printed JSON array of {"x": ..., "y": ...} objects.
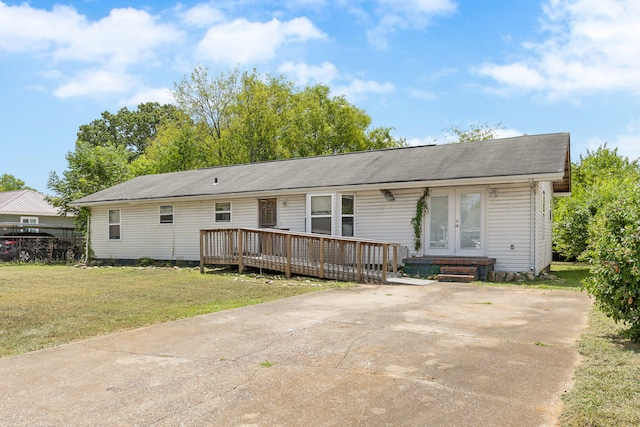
[{"x": 614, "y": 251}]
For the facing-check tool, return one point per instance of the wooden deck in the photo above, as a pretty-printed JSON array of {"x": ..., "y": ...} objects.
[{"x": 326, "y": 257}]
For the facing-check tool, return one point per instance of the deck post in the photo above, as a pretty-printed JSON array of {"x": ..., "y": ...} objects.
[
  {"x": 358, "y": 262},
  {"x": 288, "y": 267},
  {"x": 395, "y": 258},
  {"x": 240, "y": 251},
  {"x": 321, "y": 271},
  {"x": 202, "y": 234},
  {"x": 385, "y": 262}
]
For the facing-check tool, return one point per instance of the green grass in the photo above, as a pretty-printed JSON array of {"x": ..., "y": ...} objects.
[
  {"x": 607, "y": 382},
  {"x": 43, "y": 306}
]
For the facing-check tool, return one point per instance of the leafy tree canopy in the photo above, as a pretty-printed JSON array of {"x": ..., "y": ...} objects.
[
  {"x": 91, "y": 169},
  {"x": 11, "y": 183},
  {"x": 130, "y": 129},
  {"x": 250, "y": 117},
  {"x": 596, "y": 179}
]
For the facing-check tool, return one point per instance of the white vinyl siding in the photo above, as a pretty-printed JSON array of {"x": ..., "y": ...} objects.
[
  {"x": 508, "y": 224},
  {"x": 377, "y": 218},
  {"x": 142, "y": 236},
  {"x": 508, "y": 227},
  {"x": 544, "y": 225},
  {"x": 292, "y": 213}
]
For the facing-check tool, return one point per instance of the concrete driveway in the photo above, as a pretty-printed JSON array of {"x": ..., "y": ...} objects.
[{"x": 435, "y": 355}]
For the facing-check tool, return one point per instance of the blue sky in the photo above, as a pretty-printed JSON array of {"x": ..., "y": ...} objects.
[{"x": 419, "y": 66}]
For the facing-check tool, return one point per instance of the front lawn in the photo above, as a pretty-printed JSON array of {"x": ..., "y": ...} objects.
[{"x": 43, "y": 306}]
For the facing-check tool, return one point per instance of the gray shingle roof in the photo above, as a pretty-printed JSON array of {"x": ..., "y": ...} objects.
[{"x": 534, "y": 155}]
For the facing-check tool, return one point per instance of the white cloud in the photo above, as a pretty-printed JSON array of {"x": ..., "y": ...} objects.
[
  {"x": 309, "y": 74},
  {"x": 124, "y": 37},
  {"x": 161, "y": 95},
  {"x": 357, "y": 88},
  {"x": 202, "y": 15},
  {"x": 95, "y": 83},
  {"x": 242, "y": 41},
  {"x": 327, "y": 73},
  {"x": 406, "y": 14},
  {"x": 591, "y": 46},
  {"x": 104, "y": 48},
  {"x": 23, "y": 28}
]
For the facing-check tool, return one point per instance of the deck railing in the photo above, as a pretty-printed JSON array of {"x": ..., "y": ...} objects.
[{"x": 327, "y": 257}]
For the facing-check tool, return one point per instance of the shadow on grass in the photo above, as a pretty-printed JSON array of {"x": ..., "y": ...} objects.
[{"x": 621, "y": 341}]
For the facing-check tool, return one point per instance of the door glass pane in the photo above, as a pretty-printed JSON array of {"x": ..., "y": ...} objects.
[
  {"x": 439, "y": 225},
  {"x": 470, "y": 221}
]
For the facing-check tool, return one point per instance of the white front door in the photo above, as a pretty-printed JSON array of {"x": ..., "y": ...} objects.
[{"x": 455, "y": 223}]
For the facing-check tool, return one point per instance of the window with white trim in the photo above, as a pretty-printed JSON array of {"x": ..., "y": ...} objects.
[
  {"x": 114, "y": 224},
  {"x": 222, "y": 212},
  {"x": 29, "y": 220},
  {"x": 166, "y": 214},
  {"x": 321, "y": 213},
  {"x": 347, "y": 217}
]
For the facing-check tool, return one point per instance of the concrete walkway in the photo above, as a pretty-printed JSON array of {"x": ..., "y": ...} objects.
[{"x": 395, "y": 355}]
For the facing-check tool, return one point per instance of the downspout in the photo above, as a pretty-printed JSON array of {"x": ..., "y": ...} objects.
[
  {"x": 86, "y": 250},
  {"x": 532, "y": 191}
]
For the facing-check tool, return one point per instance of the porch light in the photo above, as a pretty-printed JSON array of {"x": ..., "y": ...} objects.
[
  {"x": 493, "y": 193},
  {"x": 388, "y": 195}
]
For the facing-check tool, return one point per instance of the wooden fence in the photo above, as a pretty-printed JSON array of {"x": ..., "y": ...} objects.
[{"x": 327, "y": 257}]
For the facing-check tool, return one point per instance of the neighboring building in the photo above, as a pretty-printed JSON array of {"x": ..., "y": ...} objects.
[
  {"x": 486, "y": 199},
  {"x": 28, "y": 210}
]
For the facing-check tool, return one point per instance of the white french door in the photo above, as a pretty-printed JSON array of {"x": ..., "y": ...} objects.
[{"x": 455, "y": 223}]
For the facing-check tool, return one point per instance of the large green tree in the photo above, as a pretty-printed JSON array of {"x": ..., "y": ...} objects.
[
  {"x": 130, "y": 129},
  {"x": 105, "y": 148},
  {"x": 91, "y": 169},
  {"x": 11, "y": 183},
  {"x": 251, "y": 117},
  {"x": 597, "y": 178}
]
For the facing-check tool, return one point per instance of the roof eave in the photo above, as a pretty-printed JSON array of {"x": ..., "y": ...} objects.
[{"x": 352, "y": 187}]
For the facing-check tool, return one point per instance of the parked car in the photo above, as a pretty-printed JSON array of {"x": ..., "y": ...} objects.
[{"x": 29, "y": 246}]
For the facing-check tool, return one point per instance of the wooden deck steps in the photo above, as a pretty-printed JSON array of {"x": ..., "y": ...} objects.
[
  {"x": 449, "y": 268},
  {"x": 463, "y": 274}
]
